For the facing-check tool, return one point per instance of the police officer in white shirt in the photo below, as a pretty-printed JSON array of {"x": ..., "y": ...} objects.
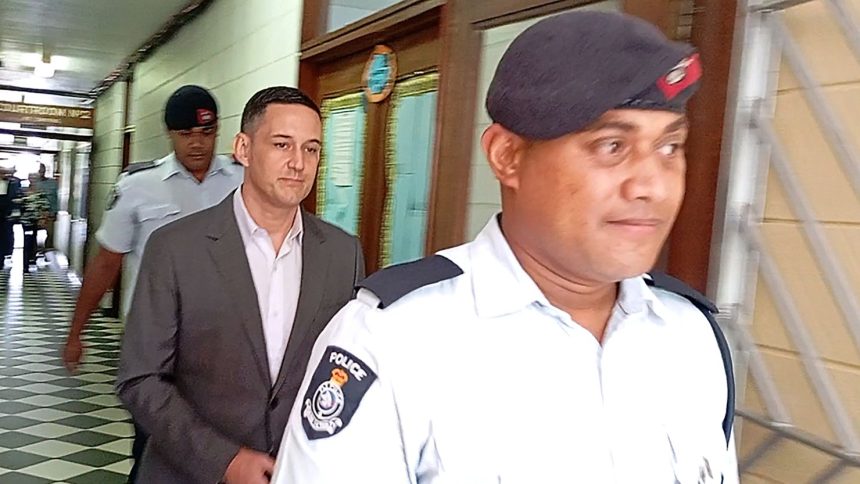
[
  {"x": 541, "y": 352},
  {"x": 152, "y": 194}
]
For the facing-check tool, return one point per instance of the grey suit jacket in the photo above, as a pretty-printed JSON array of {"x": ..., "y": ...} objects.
[{"x": 193, "y": 368}]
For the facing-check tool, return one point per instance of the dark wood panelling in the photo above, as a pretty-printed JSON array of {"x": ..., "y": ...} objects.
[
  {"x": 690, "y": 242},
  {"x": 458, "y": 85},
  {"x": 314, "y": 19},
  {"x": 419, "y": 51},
  {"x": 374, "y": 187},
  {"x": 410, "y": 16}
]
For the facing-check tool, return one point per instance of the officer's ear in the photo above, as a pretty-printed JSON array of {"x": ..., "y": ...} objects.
[
  {"x": 504, "y": 151},
  {"x": 242, "y": 148}
]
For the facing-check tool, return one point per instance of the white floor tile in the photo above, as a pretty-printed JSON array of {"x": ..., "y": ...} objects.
[
  {"x": 43, "y": 400},
  {"x": 46, "y": 414},
  {"x": 49, "y": 430},
  {"x": 122, "y": 446},
  {"x": 53, "y": 448},
  {"x": 117, "y": 429},
  {"x": 56, "y": 470}
]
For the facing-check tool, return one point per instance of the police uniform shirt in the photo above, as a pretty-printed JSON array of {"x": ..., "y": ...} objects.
[
  {"x": 147, "y": 198},
  {"x": 479, "y": 379}
]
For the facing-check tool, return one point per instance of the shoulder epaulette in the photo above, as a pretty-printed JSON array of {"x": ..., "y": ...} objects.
[
  {"x": 679, "y": 287},
  {"x": 140, "y": 166},
  {"x": 671, "y": 284},
  {"x": 392, "y": 283}
]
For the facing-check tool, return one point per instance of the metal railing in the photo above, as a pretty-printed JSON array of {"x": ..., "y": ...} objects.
[{"x": 754, "y": 124}]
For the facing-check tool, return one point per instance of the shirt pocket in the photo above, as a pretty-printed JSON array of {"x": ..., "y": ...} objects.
[{"x": 156, "y": 213}]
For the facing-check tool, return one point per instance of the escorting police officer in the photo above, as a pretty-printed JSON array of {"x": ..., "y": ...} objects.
[
  {"x": 541, "y": 351},
  {"x": 152, "y": 194}
]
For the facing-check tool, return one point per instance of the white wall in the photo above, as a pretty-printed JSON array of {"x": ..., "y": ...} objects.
[
  {"x": 484, "y": 198},
  {"x": 107, "y": 154},
  {"x": 234, "y": 48}
]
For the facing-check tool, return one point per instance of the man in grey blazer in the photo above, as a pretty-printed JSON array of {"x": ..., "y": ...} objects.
[{"x": 228, "y": 304}]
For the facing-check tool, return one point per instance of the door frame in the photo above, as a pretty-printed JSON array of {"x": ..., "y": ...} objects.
[{"x": 332, "y": 64}]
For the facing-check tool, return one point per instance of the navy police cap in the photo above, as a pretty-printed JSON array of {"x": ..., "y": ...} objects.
[
  {"x": 190, "y": 107},
  {"x": 561, "y": 74}
]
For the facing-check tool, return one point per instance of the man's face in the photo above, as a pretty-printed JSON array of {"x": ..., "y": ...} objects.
[
  {"x": 281, "y": 153},
  {"x": 195, "y": 147},
  {"x": 600, "y": 203}
]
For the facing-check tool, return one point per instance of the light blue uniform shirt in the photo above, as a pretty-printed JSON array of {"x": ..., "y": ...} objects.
[{"x": 147, "y": 199}]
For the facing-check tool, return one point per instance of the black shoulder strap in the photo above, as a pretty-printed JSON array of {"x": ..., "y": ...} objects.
[
  {"x": 669, "y": 283},
  {"x": 140, "y": 166},
  {"x": 392, "y": 283}
]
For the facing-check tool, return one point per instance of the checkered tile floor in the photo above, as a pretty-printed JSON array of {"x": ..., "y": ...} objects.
[{"x": 56, "y": 428}]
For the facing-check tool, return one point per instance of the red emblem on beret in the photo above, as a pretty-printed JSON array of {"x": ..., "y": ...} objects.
[
  {"x": 205, "y": 116},
  {"x": 680, "y": 77}
]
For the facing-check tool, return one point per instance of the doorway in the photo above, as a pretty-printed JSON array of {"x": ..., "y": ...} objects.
[{"x": 378, "y": 98}]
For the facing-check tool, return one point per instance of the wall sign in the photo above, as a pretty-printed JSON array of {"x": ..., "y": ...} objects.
[
  {"x": 46, "y": 115},
  {"x": 379, "y": 74}
]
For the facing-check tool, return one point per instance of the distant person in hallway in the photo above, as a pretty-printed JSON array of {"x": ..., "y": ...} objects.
[
  {"x": 228, "y": 304},
  {"x": 35, "y": 212},
  {"x": 542, "y": 352},
  {"x": 10, "y": 191},
  {"x": 49, "y": 187},
  {"x": 149, "y": 195}
]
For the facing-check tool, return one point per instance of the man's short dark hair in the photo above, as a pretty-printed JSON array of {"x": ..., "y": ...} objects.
[{"x": 256, "y": 106}]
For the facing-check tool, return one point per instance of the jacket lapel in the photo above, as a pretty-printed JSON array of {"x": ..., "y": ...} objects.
[
  {"x": 228, "y": 255},
  {"x": 314, "y": 274}
]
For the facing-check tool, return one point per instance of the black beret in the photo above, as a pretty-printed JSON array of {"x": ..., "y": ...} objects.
[
  {"x": 561, "y": 74},
  {"x": 190, "y": 107}
]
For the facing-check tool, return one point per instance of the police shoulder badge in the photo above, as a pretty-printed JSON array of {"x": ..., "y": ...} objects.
[
  {"x": 113, "y": 196},
  {"x": 337, "y": 387}
]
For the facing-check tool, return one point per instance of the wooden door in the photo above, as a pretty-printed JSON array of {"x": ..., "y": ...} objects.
[{"x": 375, "y": 173}]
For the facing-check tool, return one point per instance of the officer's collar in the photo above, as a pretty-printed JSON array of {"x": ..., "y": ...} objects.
[
  {"x": 501, "y": 286},
  {"x": 174, "y": 167},
  {"x": 635, "y": 296}
]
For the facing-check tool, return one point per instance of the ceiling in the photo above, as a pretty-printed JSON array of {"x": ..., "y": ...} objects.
[{"x": 87, "y": 39}]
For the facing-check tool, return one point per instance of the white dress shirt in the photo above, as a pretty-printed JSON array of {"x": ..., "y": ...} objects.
[
  {"x": 277, "y": 279},
  {"x": 481, "y": 380}
]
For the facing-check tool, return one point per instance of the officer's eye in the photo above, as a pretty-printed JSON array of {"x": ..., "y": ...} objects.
[
  {"x": 670, "y": 149},
  {"x": 312, "y": 149},
  {"x": 281, "y": 145},
  {"x": 609, "y": 147}
]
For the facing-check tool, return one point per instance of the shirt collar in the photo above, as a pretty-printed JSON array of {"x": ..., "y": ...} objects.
[
  {"x": 172, "y": 166},
  {"x": 248, "y": 228},
  {"x": 501, "y": 286}
]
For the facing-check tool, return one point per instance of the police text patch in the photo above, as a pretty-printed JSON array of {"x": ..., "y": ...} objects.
[{"x": 337, "y": 387}]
